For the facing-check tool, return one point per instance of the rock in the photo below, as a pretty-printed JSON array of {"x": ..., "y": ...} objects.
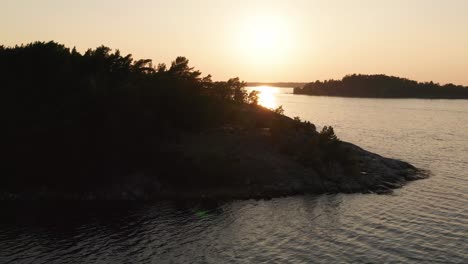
[{"x": 245, "y": 164}]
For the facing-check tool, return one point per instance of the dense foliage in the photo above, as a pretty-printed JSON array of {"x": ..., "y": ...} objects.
[
  {"x": 382, "y": 86},
  {"x": 69, "y": 117},
  {"x": 80, "y": 122}
]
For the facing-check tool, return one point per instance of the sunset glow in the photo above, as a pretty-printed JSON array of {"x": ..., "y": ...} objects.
[
  {"x": 263, "y": 40},
  {"x": 259, "y": 40}
]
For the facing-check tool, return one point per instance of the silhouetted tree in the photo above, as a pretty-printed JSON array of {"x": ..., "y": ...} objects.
[
  {"x": 73, "y": 118},
  {"x": 77, "y": 121},
  {"x": 252, "y": 98},
  {"x": 279, "y": 110}
]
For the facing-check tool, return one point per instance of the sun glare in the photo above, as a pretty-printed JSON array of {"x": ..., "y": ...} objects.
[
  {"x": 267, "y": 96},
  {"x": 263, "y": 40}
]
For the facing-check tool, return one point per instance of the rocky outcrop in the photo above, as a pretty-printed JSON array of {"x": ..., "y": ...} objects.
[
  {"x": 256, "y": 169},
  {"x": 240, "y": 164},
  {"x": 375, "y": 173}
]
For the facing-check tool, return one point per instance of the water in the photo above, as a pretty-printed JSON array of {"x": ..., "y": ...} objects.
[{"x": 424, "y": 222}]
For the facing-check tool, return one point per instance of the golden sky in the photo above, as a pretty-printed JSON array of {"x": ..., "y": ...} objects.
[{"x": 270, "y": 41}]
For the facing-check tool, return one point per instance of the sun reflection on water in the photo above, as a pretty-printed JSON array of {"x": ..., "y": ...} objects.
[{"x": 267, "y": 96}]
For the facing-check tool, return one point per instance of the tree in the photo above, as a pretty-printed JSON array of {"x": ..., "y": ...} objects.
[
  {"x": 279, "y": 110},
  {"x": 328, "y": 135},
  {"x": 252, "y": 98}
]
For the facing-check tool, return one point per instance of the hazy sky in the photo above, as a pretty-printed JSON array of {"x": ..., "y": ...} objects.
[{"x": 261, "y": 40}]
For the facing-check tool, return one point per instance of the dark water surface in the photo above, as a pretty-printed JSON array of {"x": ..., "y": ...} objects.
[{"x": 425, "y": 222}]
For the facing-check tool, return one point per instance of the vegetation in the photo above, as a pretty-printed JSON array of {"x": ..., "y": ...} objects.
[
  {"x": 69, "y": 116},
  {"x": 382, "y": 86},
  {"x": 76, "y": 121},
  {"x": 319, "y": 150},
  {"x": 279, "y": 110}
]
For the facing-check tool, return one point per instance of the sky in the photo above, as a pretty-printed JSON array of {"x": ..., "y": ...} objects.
[{"x": 265, "y": 41}]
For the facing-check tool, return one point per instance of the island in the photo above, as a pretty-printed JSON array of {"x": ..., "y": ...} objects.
[
  {"x": 276, "y": 84},
  {"x": 382, "y": 86},
  {"x": 100, "y": 125}
]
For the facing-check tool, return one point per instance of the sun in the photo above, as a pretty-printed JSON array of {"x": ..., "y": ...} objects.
[{"x": 263, "y": 39}]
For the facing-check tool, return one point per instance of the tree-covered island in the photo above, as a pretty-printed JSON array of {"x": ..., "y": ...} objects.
[
  {"x": 103, "y": 126},
  {"x": 382, "y": 86}
]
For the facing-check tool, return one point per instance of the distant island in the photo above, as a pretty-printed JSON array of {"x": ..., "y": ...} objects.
[
  {"x": 100, "y": 125},
  {"x": 382, "y": 86},
  {"x": 276, "y": 84}
]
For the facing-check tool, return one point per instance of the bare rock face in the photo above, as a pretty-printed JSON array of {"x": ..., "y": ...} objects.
[
  {"x": 250, "y": 166},
  {"x": 376, "y": 173}
]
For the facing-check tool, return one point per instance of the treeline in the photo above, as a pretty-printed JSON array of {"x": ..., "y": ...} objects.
[
  {"x": 382, "y": 86},
  {"x": 70, "y": 118},
  {"x": 277, "y": 84}
]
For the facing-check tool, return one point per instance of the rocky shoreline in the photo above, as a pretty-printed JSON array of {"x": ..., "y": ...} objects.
[{"x": 262, "y": 172}]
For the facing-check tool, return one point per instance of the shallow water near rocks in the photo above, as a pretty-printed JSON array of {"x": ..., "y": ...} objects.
[{"x": 424, "y": 222}]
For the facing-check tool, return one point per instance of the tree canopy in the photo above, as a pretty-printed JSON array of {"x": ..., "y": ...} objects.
[{"x": 73, "y": 114}]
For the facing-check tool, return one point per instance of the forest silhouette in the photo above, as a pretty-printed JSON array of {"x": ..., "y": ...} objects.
[
  {"x": 76, "y": 121},
  {"x": 72, "y": 118}
]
